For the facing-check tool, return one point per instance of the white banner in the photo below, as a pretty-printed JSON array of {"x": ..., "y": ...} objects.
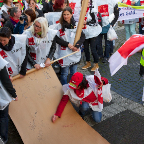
[{"x": 126, "y": 13}]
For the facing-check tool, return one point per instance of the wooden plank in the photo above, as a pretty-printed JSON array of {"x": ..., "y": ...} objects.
[{"x": 39, "y": 95}]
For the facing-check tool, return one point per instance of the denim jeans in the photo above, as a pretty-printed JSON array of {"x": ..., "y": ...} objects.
[
  {"x": 108, "y": 46},
  {"x": 4, "y": 124},
  {"x": 130, "y": 30},
  {"x": 65, "y": 72},
  {"x": 92, "y": 42},
  {"x": 140, "y": 29},
  {"x": 97, "y": 116},
  {"x": 111, "y": 47}
]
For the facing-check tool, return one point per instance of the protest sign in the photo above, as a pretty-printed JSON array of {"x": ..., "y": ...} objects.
[
  {"x": 39, "y": 95},
  {"x": 126, "y": 13}
]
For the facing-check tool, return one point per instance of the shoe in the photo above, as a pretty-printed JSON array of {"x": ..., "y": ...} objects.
[
  {"x": 111, "y": 54},
  {"x": 95, "y": 67},
  {"x": 105, "y": 60},
  {"x": 88, "y": 64},
  {"x": 80, "y": 113}
]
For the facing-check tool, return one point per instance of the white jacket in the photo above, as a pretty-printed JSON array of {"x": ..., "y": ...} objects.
[
  {"x": 53, "y": 17},
  {"x": 39, "y": 47},
  {"x": 69, "y": 36},
  {"x": 16, "y": 56},
  {"x": 5, "y": 97},
  {"x": 106, "y": 8}
]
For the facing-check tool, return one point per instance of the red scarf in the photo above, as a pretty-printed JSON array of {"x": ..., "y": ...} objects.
[
  {"x": 80, "y": 92},
  {"x": 16, "y": 21}
]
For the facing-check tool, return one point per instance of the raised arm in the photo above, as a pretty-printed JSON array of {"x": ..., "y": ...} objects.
[{"x": 97, "y": 78}]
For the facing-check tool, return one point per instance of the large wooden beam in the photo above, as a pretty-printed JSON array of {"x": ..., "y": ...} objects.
[{"x": 81, "y": 20}]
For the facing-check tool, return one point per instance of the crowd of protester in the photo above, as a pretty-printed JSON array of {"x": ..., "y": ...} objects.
[{"x": 34, "y": 32}]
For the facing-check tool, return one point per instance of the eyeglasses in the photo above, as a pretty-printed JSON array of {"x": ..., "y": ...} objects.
[{"x": 36, "y": 26}]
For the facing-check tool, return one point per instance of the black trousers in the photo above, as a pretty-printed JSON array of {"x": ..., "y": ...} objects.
[
  {"x": 92, "y": 42},
  {"x": 4, "y": 124}
]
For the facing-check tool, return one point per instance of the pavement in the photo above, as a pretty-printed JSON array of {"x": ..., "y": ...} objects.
[{"x": 123, "y": 118}]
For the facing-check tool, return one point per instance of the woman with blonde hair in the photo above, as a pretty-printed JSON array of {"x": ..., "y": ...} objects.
[{"x": 41, "y": 43}]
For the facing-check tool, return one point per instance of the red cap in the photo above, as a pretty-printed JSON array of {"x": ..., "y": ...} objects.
[
  {"x": 76, "y": 79},
  {"x": 105, "y": 80}
]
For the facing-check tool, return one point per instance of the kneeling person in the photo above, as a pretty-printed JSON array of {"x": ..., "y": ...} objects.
[{"x": 86, "y": 93}]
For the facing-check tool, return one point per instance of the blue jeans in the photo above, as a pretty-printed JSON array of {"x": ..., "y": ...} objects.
[
  {"x": 92, "y": 42},
  {"x": 130, "y": 30},
  {"x": 97, "y": 116},
  {"x": 140, "y": 29},
  {"x": 111, "y": 47},
  {"x": 4, "y": 124},
  {"x": 65, "y": 71},
  {"x": 108, "y": 46}
]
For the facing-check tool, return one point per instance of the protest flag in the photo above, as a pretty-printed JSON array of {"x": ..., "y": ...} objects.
[{"x": 134, "y": 44}]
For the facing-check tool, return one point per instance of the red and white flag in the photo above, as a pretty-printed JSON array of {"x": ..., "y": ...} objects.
[{"x": 130, "y": 47}]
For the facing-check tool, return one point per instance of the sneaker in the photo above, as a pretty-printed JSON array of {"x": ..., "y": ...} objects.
[
  {"x": 95, "y": 67},
  {"x": 88, "y": 64},
  {"x": 80, "y": 113},
  {"x": 105, "y": 60},
  {"x": 1, "y": 141}
]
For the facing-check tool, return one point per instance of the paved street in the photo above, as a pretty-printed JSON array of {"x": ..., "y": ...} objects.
[
  {"x": 123, "y": 117},
  {"x": 126, "y": 81}
]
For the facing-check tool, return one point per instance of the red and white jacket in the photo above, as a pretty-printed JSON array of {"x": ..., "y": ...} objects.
[
  {"x": 5, "y": 97},
  {"x": 16, "y": 56},
  {"x": 39, "y": 47},
  {"x": 53, "y": 17},
  {"x": 75, "y": 4},
  {"x": 91, "y": 95},
  {"x": 91, "y": 31},
  {"x": 69, "y": 36},
  {"x": 106, "y": 8}
]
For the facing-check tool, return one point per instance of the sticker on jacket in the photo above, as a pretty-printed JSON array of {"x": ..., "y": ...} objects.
[{"x": 103, "y": 9}]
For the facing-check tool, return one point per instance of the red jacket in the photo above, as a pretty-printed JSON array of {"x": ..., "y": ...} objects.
[{"x": 90, "y": 98}]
